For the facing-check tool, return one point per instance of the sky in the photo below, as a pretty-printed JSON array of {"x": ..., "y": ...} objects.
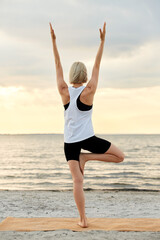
[{"x": 127, "y": 100}]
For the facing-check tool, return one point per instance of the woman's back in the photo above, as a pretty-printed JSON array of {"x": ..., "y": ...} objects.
[{"x": 78, "y": 117}]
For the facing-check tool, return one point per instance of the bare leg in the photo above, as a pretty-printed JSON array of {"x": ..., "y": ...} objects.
[
  {"x": 78, "y": 191},
  {"x": 113, "y": 154}
]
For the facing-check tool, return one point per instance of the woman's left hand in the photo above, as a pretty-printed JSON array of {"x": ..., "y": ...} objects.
[
  {"x": 52, "y": 32},
  {"x": 102, "y": 34}
]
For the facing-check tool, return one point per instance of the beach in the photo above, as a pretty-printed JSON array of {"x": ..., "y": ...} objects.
[
  {"x": 99, "y": 204},
  {"x": 35, "y": 181}
]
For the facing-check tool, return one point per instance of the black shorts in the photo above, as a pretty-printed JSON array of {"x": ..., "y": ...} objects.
[{"x": 92, "y": 144}]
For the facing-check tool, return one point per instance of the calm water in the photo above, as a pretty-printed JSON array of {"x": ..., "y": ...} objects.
[{"x": 37, "y": 162}]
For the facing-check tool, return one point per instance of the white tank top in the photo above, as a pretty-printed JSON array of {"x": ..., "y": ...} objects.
[{"x": 78, "y": 124}]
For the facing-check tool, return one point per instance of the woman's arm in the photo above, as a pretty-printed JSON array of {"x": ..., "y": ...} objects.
[
  {"x": 59, "y": 71},
  {"x": 92, "y": 84}
]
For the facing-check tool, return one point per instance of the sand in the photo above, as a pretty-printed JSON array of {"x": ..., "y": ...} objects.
[{"x": 119, "y": 204}]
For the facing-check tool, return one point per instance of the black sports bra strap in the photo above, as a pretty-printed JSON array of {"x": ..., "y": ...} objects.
[
  {"x": 66, "y": 106},
  {"x": 83, "y": 107}
]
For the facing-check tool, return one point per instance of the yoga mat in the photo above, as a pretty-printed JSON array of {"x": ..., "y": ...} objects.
[{"x": 108, "y": 224}]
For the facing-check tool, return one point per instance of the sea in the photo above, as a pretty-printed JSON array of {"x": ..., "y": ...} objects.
[{"x": 37, "y": 162}]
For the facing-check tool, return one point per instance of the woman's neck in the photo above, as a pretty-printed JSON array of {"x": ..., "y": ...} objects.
[{"x": 76, "y": 85}]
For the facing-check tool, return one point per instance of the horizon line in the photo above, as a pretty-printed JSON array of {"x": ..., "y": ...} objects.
[{"x": 95, "y": 133}]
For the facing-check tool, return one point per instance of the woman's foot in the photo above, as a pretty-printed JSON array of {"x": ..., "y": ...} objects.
[
  {"x": 82, "y": 161},
  {"x": 83, "y": 223}
]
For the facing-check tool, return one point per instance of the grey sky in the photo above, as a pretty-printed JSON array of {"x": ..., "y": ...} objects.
[{"x": 132, "y": 26}]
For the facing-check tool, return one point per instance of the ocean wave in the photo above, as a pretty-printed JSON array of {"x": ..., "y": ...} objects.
[
  {"x": 29, "y": 162},
  {"x": 85, "y": 189},
  {"x": 119, "y": 190}
]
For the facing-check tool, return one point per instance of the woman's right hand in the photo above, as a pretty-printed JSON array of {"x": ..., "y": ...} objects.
[
  {"x": 102, "y": 34},
  {"x": 52, "y": 32}
]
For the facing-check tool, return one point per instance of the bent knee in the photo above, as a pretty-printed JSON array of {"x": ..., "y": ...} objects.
[{"x": 121, "y": 157}]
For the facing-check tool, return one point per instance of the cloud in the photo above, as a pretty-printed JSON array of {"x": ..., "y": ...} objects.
[
  {"x": 26, "y": 49},
  {"x": 139, "y": 69},
  {"x": 77, "y": 22}
]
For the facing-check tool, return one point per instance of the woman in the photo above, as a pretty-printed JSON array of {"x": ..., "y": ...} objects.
[{"x": 78, "y": 130}]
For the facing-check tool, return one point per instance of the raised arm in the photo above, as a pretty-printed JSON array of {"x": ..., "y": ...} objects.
[
  {"x": 59, "y": 71},
  {"x": 92, "y": 84}
]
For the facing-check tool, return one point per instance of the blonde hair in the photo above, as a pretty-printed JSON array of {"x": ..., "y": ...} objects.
[{"x": 78, "y": 73}]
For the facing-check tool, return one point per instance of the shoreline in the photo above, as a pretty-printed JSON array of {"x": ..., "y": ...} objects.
[{"x": 85, "y": 190}]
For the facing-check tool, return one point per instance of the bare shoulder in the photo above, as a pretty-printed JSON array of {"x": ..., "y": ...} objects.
[
  {"x": 88, "y": 91},
  {"x": 87, "y": 96},
  {"x": 65, "y": 95}
]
